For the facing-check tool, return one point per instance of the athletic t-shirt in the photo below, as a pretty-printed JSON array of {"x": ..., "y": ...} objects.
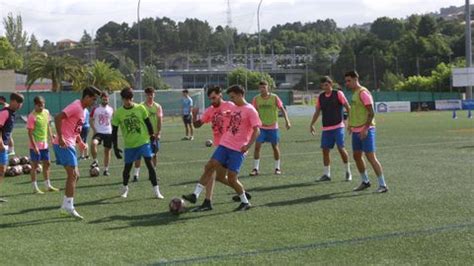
[
  {"x": 132, "y": 123},
  {"x": 72, "y": 124},
  {"x": 102, "y": 116},
  {"x": 153, "y": 111},
  {"x": 268, "y": 109},
  {"x": 187, "y": 104},
  {"x": 218, "y": 119},
  {"x": 366, "y": 99},
  {"x": 342, "y": 99},
  {"x": 86, "y": 118},
  {"x": 239, "y": 131},
  {"x": 38, "y": 122}
]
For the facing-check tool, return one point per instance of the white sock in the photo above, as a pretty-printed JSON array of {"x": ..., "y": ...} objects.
[
  {"x": 137, "y": 171},
  {"x": 327, "y": 170},
  {"x": 277, "y": 164},
  {"x": 35, "y": 185},
  {"x": 243, "y": 198},
  {"x": 68, "y": 203},
  {"x": 198, "y": 189},
  {"x": 156, "y": 189},
  {"x": 47, "y": 183},
  {"x": 106, "y": 168},
  {"x": 348, "y": 167},
  {"x": 256, "y": 164}
]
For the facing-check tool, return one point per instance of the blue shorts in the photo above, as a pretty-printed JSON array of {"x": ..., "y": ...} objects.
[
  {"x": 366, "y": 145},
  {"x": 4, "y": 157},
  {"x": 84, "y": 133},
  {"x": 269, "y": 135},
  {"x": 133, "y": 154},
  {"x": 331, "y": 137},
  {"x": 230, "y": 159},
  {"x": 42, "y": 156},
  {"x": 65, "y": 156}
]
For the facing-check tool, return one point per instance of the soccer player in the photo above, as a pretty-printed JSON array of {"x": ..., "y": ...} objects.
[
  {"x": 7, "y": 122},
  {"x": 101, "y": 118},
  {"x": 268, "y": 105},
  {"x": 137, "y": 131},
  {"x": 216, "y": 115},
  {"x": 330, "y": 104},
  {"x": 11, "y": 148},
  {"x": 186, "y": 106},
  {"x": 85, "y": 133},
  {"x": 39, "y": 132},
  {"x": 362, "y": 126},
  {"x": 242, "y": 131},
  {"x": 68, "y": 128},
  {"x": 156, "y": 116}
]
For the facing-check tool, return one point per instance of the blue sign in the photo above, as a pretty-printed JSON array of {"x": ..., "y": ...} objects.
[{"x": 468, "y": 104}]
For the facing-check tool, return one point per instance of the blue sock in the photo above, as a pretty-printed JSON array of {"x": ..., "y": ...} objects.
[
  {"x": 365, "y": 177},
  {"x": 381, "y": 181}
]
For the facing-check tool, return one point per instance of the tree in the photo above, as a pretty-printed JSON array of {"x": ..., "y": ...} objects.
[
  {"x": 427, "y": 26},
  {"x": 85, "y": 40},
  {"x": 248, "y": 78},
  {"x": 151, "y": 78},
  {"x": 34, "y": 45},
  {"x": 387, "y": 28},
  {"x": 56, "y": 68},
  {"x": 9, "y": 59},
  {"x": 15, "y": 34},
  {"x": 101, "y": 75}
]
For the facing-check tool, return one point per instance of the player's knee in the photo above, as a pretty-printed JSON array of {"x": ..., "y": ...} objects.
[{"x": 95, "y": 142}]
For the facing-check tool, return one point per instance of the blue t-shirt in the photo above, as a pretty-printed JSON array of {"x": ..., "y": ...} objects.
[
  {"x": 187, "y": 104},
  {"x": 86, "y": 118}
]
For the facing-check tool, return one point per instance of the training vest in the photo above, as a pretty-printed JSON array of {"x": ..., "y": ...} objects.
[
  {"x": 8, "y": 126},
  {"x": 358, "y": 114},
  {"x": 267, "y": 109},
  {"x": 331, "y": 109}
]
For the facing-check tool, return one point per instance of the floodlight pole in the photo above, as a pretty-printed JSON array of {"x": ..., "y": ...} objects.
[
  {"x": 468, "y": 45},
  {"x": 259, "y": 38},
  {"x": 139, "y": 48}
]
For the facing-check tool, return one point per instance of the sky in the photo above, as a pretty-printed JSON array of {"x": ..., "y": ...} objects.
[{"x": 67, "y": 19}]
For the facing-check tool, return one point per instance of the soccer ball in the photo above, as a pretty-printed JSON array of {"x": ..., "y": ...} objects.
[
  {"x": 24, "y": 160},
  {"x": 209, "y": 143},
  {"x": 176, "y": 205},
  {"x": 26, "y": 169},
  {"x": 94, "y": 171},
  {"x": 9, "y": 171},
  {"x": 14, "y": 161},
  {"x": 39, "y": 169},
  {"x": 18, "y": 170}
]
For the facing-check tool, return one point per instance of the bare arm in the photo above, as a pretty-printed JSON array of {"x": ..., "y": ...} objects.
[
  {"x": 313, "y": 121},
  {"x": 255, "y": 133},
  {"x": 285, "y": 115},
  {"x": 370, "y": 116},
  {"x": 58, "y": 120},
  {"x": 197, "y": 123},
  {"x": 32, "y": 140}
]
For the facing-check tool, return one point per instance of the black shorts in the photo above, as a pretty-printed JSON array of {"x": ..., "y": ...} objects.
[
  {"x": 106, "y": 138},
  {"x": 187, "y": 119}
]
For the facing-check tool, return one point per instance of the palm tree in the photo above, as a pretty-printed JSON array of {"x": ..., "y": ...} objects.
[
  {"x": 56, "y": 68},
  {"x": 101, "y": 75}
]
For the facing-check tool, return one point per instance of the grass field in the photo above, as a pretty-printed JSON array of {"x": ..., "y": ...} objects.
[{"x": 425, "y": 218}]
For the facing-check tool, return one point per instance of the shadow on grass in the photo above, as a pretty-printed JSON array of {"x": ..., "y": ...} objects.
[
  {"x": 104, "y": 201},
  {"x": 154, "y": 219},
  {"x": 62, "y": 189},
  {"x": 315, "y": 198},
  {"x": 465, "y": 147},
  {"x": 286, "y": 186},
  {"x": 37, "y": 222}
]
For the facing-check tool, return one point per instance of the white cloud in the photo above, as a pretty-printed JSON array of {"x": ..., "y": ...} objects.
[{"x": 55, "y": 20}]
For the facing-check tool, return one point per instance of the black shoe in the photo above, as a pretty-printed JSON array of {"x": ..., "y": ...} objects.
[
  {"x": 362, "y": 186},
  {"x": 94, "y": 164},
  {"x": 236, "y": 198},
  {"x": 325, "y": 178},
  {"x": 106, "y": 173},
  {"x": 243, "y": 207},
  {"x": 190, "y": 197},
  {"x": 206, "y": 206},
  {"x": 135, "y": 178}
]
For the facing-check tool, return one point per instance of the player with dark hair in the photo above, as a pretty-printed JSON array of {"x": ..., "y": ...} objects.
[
  {"x": 137, "y": 132},
  {"x": 39, "y": 132},
  {"x": 330, "y": 104},
  {"x": 186, "y": 106},
  {"x": 7, "y": 122},
  {"x": 156, "y": 116},
  {"x": 101, "y": 117},
  {"x": 68, "y": 128},
  {"x": 242, "y": 131},
  {"x": 362, "y": 126},
  {"x": 268, "y": 105}
]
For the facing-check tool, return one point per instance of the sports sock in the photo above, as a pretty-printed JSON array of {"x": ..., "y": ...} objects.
[
  {"x": 382, "y": 181},
  {"x": 68, "y": 203},
  {"x": 277, "y": 164},
  {"x": 47, "y": 183},
  {"x": 198, "y": 190},
  {"x": 136, "y": 172},
  {"x": 348, "y": 167},
  {"x": 243, "y": 198},
  {"x": 327, "y": 170},
  {"x": 365, "y": 177},
  {"x": 35, "y": 185},
  {"x": 256, "y": 164}
]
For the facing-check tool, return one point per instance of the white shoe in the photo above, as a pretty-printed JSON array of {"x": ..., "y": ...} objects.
[
  {"x": 124, "y": 193},
  {"x": 70, "y": 212},
  {"x": 158, "y": 195}
]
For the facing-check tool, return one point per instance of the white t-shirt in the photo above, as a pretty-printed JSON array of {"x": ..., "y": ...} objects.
[{"x": 102, "y": 119}]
